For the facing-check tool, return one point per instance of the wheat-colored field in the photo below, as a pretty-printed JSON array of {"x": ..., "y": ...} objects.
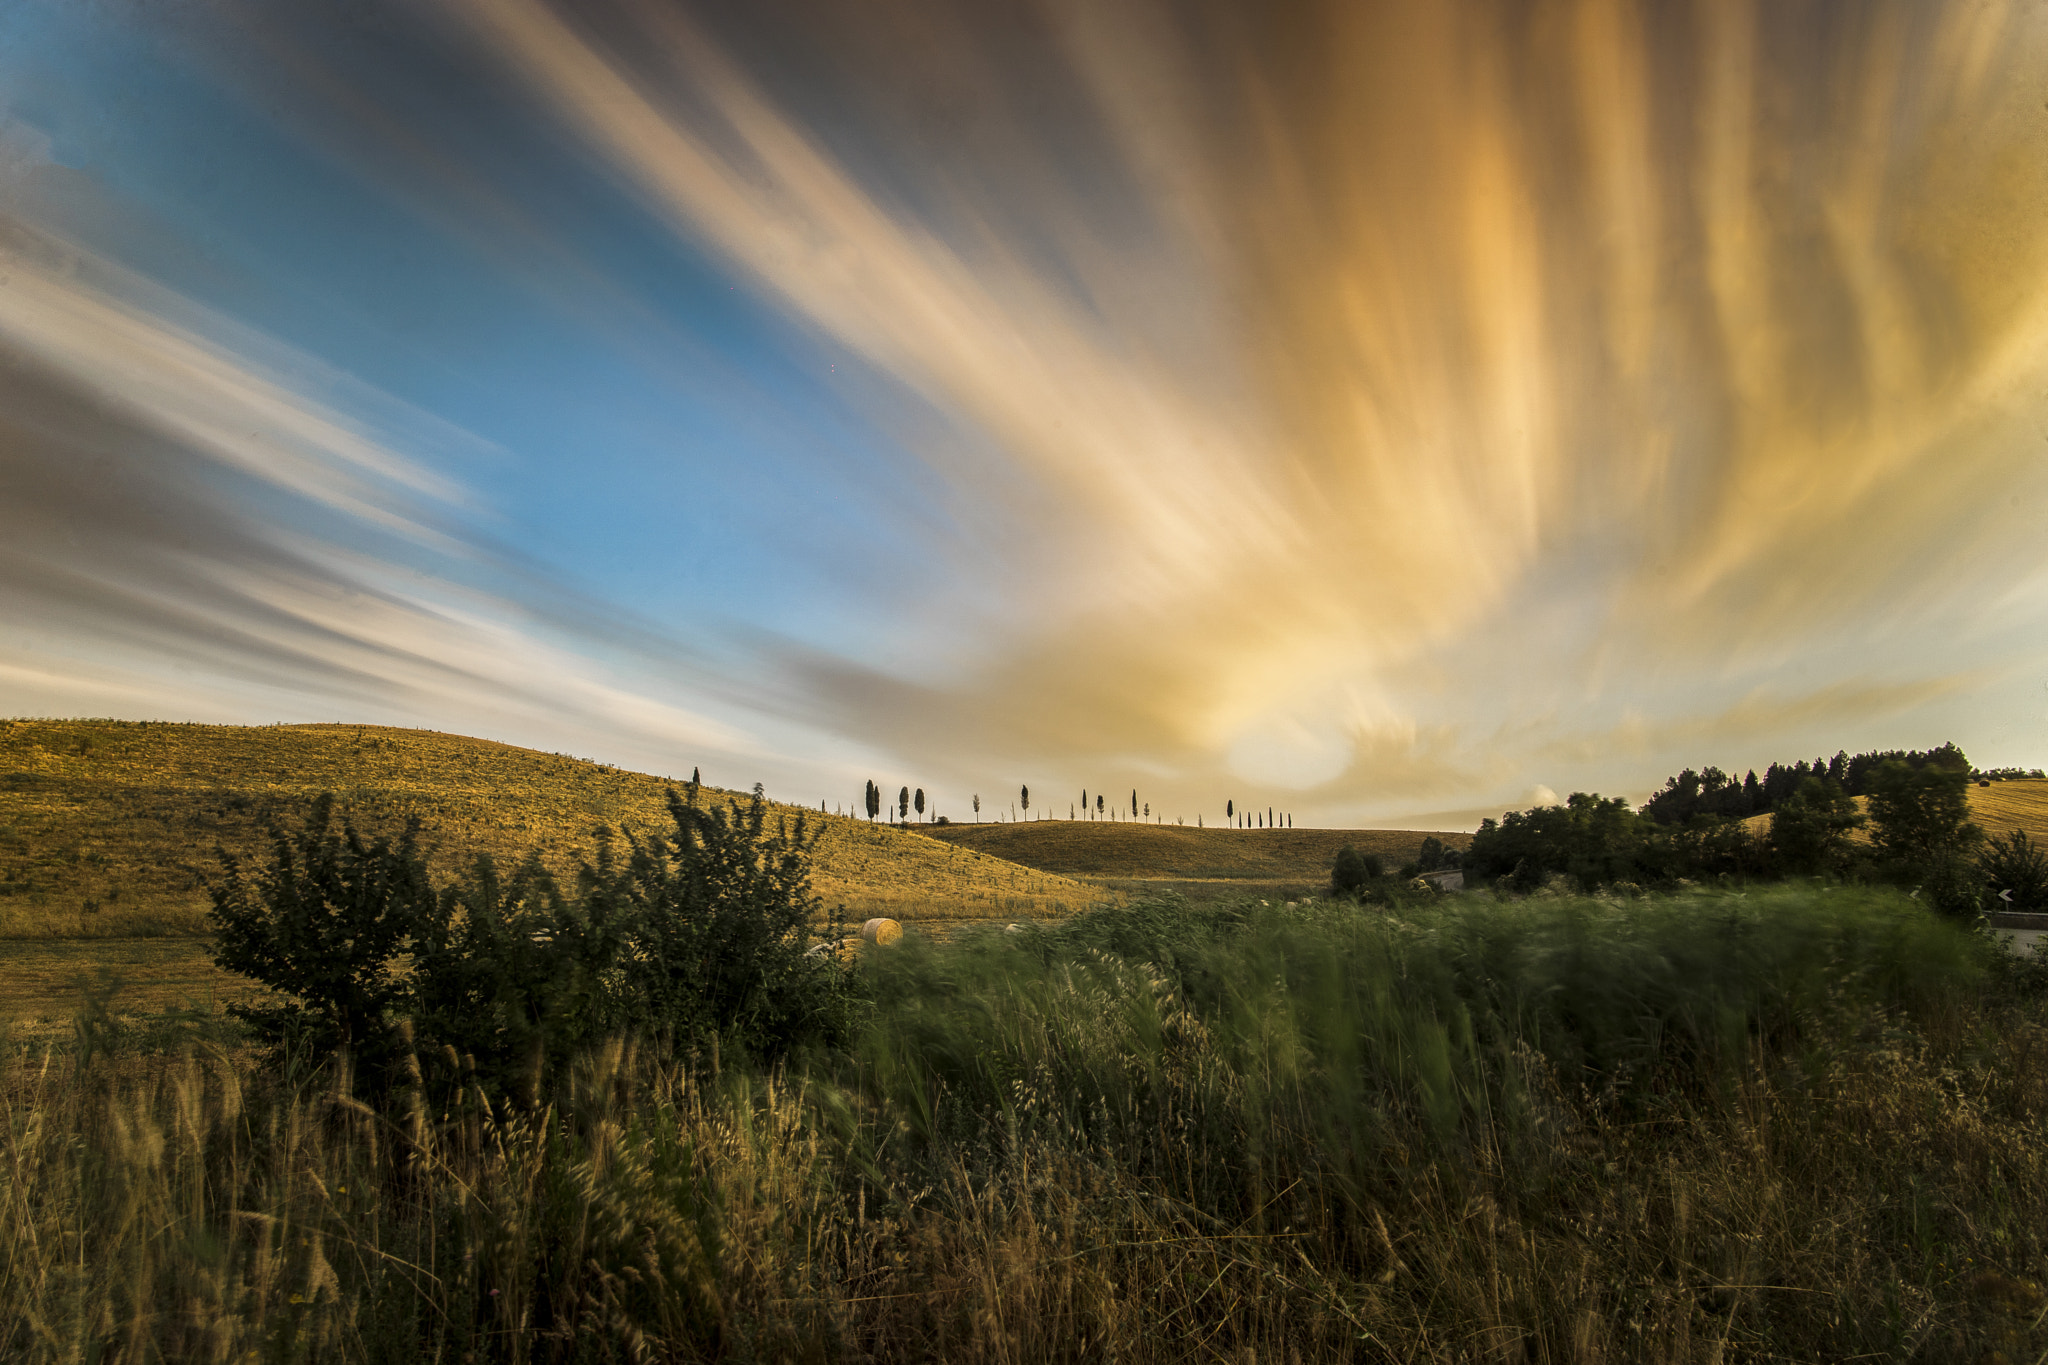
[
  {"x": 2001, "y": 808},
  {"x": 1201, "y": 863},
  {"x": 107, "y": 828}
]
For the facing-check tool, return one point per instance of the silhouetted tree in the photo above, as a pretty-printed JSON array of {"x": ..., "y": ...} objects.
[
  {"x": 1024, "y": 799},
  {"x": 903, "y": 804},
  {"x": 1098, "y": 803},
  {"x": 1352, "y": 870},
  {"x": 1134, "y": 803},
  {"x": 1923, "y": 825},
  {"x": 696, "y": 778},
  {"x": 874, "y": 799},
  {"x": 918, "y": 801},
  {"x": 977, "y": 807},
  {"x": 1810, "y": 828},
  {"x": 1229, "y": 810}
]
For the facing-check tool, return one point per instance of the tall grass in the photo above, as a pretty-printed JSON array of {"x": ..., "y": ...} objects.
[{"x": 1799, "y": 1125}]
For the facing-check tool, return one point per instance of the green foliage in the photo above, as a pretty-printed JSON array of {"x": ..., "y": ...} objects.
[
  {"x": 1798, "y": 1125},
  {"x": 1591, "y": 840},
  {"x": 2018, "y": 865},
  {"x": 324, "y": 925},
  {"x": 512, "y": 976},
  {"x": 1434, "y": 855},
  {"x": 1810, "y": 829},
  {"x": 693, "y": 937},
  {"x": 1924, "y": 832},
  {"x": 1354, "y": 871},
  {"x": 713, "y": 922}
]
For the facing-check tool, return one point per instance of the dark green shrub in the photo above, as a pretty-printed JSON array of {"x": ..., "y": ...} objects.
[
  {"x": 696, "y": 937},
  {"x": 714, "y": 929},
  {"x": 324, "y": 925},
  {"x": 1353, "y": 870},
  {"x": 2017, "y": 865},
  {"x": 512, "y": 976}
]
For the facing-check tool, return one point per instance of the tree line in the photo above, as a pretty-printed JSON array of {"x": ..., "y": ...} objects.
[
  {"x": 1713, "y": 792},
  {"x": 1918, "y": 814}
]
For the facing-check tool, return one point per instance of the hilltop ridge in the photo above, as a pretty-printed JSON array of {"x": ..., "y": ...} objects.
[{"x": 108, "y": 828}]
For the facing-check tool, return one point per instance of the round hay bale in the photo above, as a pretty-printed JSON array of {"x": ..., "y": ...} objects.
[{"x": 881, "y": 932}]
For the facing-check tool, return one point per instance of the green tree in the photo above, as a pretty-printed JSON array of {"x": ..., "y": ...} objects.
[
  {"x": 1924, "y": 832},
  {"x": 1810, "y": 828},
  {"x": 918, "y": 802},
  {"x": 1353, "y": 871},
  {"x": 874, "y": 800},
  {"x": 324, "y": 925}
]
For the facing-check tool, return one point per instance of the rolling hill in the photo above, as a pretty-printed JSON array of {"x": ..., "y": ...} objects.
[
  {"x": 1200, "y": 863},
  {"x": 107, "y": 828},
  {"x": 2001, "y": 808}
]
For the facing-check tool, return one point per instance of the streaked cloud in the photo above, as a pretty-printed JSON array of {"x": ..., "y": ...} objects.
[{"x": 1372, "y": 409}]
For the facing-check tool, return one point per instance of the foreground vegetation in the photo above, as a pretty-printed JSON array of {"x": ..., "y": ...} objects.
[{"x": 1803, "y": 1123}]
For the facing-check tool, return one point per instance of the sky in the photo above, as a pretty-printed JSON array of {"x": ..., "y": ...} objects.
[{"x": 1390, "y": 414}]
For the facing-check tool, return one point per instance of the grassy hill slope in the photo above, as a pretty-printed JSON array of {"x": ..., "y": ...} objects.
[
  {"x": 2001, "y": 808},
  {"x": 107, "y": 827},
  {"x": 1127, "y": 855}
]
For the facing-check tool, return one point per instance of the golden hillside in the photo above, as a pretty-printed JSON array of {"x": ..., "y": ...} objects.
[
  {"x": 107, "y": 827},
  {"x": 2001, "y": 808},
  {"x": 1128, "y": 855}
]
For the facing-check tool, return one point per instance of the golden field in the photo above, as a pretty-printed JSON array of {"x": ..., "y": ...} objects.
[
  {"x": 1202, "y": 864},
  {"x": 108, "y": 828},
  {"x": 2001, "y": 808}
]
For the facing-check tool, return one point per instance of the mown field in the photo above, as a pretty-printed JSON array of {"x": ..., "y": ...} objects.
[
  {"x": 1202, "y": 864},
  {"x": 2001, "y": 808},
  {"x": 1794, "y": 1124},
  {"x": 108, "y": 830}
]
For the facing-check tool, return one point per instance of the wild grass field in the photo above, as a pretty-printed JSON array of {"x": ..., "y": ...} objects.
[
  {"x": 1802, "y": 1124},
  {"x": 107, "y": 828},
  {"x": 1201, "y": 864}
]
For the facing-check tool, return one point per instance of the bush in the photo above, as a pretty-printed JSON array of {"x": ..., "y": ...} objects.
[
  {"x": 2017, "y": 865},
  {"x": 714, "y": 923},
  {"x": 695, "y": 938},
  {"x": 323, "y": 925},
  {"x": 1353, "y": 870}
]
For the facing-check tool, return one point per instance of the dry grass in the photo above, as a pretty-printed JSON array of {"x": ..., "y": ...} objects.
[
  {"x": 2000, "y": 808},
  {"x": 108, "y": 827},
  {"x": 1051, "y": 1154},
  {"x": 1204, "y": 864}
]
